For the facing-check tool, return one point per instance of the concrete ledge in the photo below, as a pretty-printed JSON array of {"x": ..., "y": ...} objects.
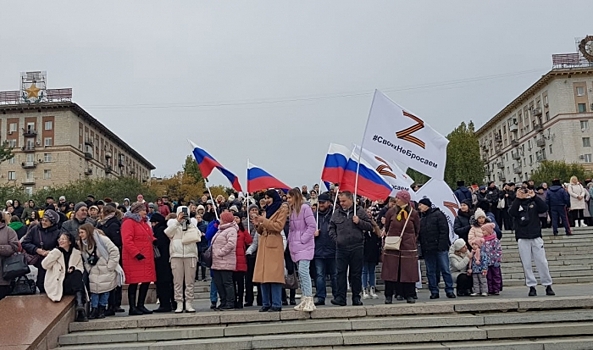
[
  {"x": 486, "y": 305},
  {"x": 248, "y": 316},
  {"x": 568, "y": 344},
  {"x": 542, "y": 330},
  {"x": 288, "y": 328},
  {"x": 413, "y": 336},
  {"x": 340, "y": 312},
  {"x": 531, "y": 317},
  {"x": 410, "y": 309},
  {"x": 204, "y": 344},
  {"x": 557, "y": 303},
  {"x": 297, "y": 341},
  {"x": 416, "y": 322},
  {"x": 496, "y": 345}
]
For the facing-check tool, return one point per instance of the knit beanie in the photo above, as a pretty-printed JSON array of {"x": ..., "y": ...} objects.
[
  {"x": 488, "y": 229},
  {"x": 403, "y": 195},
  {"x": 227, "y": 217},
  {"x": 253, "y": 206},
  {"x": 137, "y": 207},
  {"x": 458, "y": 244},
  {"x": 79, "y": 206},
  {"x": 479, "y": 214},
  {"x": 426, "y": 202},
  {"x": 52, "y": 216}
]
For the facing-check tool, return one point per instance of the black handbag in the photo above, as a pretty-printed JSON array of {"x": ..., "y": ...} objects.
[
  {"x": 14, "y": 266},
  {"x": 207, "y": 257},
  {"x": 23, "y": 286}
]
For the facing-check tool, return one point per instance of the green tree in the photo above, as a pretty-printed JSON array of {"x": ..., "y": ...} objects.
[
  {"x": 418, "y": 177},
  {"x": 191, "y": 168},
  {"x": 5, "y": 152},
  {"x": 463, "y": 156},
  {"x": 553, "y": 169}
]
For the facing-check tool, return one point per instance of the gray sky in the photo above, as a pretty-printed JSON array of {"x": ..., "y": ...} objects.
[{"x": 277, "y": 81}]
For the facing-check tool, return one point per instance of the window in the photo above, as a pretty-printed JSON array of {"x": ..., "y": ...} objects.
[
  {"x": 550, "y": 149},
  {"x": 29, "y": 175},
  {"x": 12, "y": 143},
  {"x": 587, "y": 158},
  {"x": 580, "y": 91},
  {"x": 30, "y": 158},
  {"x": 12, "y": 127},
  {"x": 47, "y": 141},
  {"x": 546, "y": 100},
  {"x": 582, "y": 107},
  {"x": 29, "y": 190},
  {"x": 547, "y": 115},
  {"x": 584, "y": 124},
  {"x": 586, "y": 142},
  {"x": 47, "y": 157},
  {"x": 530, "y": 159},
  {"x": 12, "y": 160},
  {"x": 46, "y": 174},
  {"x": 12, "y": 175},
  {"x": 49, "y": 125}
]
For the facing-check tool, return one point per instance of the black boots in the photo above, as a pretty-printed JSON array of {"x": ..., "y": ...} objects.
[
  {"x": 141, "y": 298},
  {"x": 293, "y": 297},
  {"x": 80, "y": 309},
  {"x": 132, "y": 288},
  {"x": 532, "y": 292}
]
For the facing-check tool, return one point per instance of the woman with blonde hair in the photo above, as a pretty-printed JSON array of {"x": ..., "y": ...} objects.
[
  {"x": 301, "y": 241},
  {"x": 578, "y": 197}
]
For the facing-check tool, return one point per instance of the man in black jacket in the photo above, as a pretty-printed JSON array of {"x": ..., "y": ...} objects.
[
  {"x": 434, "y": 241},
  {"x": 325, "y": 251},
  {"x": 528, "y": 233},
  {"x": 347, "y": 228},
  {"x": 558, "y": 202}
]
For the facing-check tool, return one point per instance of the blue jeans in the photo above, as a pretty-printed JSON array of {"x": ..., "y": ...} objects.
[
  {"x": 368, "y": 274},
  {"x": 275, "y": 291},
  {"x": 99, "y": 299},
  {"x": 324, "y": 267},
  {"x": 305, "y": 277},
  {"x": 437, "y": 263},
  {"x": 213, "y": 292}
]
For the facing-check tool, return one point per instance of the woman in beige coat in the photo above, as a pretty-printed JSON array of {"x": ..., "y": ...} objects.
[
  {"x": 269, "y": 263},
  {"x": 578, "y": 195}
]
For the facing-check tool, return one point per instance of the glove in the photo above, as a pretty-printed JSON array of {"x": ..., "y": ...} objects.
[{"x": 140, "y": 257}]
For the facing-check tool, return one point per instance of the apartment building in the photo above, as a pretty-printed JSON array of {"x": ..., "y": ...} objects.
[
  {"x": 551, "y": 120},
  {"x": 56, "y": 142}
]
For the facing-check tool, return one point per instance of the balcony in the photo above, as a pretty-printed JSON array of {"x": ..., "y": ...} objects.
[
  {"x": 538, "y": 127},
  {"x": 108, "y": 169},
  {"x": 541, "y": 142},
  {"x": 88, "y": 142},
  {"x": 498, "y": 148},
  {"x": 515, "y": 143},
  {"x": 29, "y": 165},
  {"x": 518, "y": 170},
  {"x": 537, "y": 112},
  {"x": 28, "y": 148},
  {"x": 88, "y": 155},
  {"x": 88, "y": 172},
  {"x": 500, "y": 165},
  {"x": 541, "y": 157},
  {"x": 502, "y": 177},
  {"x": 513, "y": 128},
  {"x": 515, "y": 155},
  {"x": 29, "y": 132},
  {"x": 28, "y": 182},
  {"x": 108, "y": 155},
  {"x": 498, "y": 138}
]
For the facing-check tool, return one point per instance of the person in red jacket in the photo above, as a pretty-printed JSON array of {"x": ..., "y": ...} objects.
[
  {"x": 164, "y": 209},
  {"x": 137, "y": 256},
  {"x": 243, "y": 241}
]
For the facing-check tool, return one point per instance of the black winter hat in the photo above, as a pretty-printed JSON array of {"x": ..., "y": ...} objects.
[{"x": 426, "y": 202}]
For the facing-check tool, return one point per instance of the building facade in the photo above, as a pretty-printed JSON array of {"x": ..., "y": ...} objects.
[
  {"x": 59, "y": 142},
  {"x": 551, "y": 120}
]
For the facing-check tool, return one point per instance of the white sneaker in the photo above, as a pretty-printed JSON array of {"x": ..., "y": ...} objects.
[
  {"x": 309, "y": 304},
  {"x": 179, "y": 307},
  {"x": 474, "y": 295},
  {"x": 365, "y": 294},
  {"x": 301, "y": 305},
  {"x": 373, "y": 294},
  {"x": 188, "y": 307},
  {"x": 484, "y": 294}
]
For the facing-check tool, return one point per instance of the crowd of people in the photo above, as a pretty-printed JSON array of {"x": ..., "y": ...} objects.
[{"x": 273, "y": 241}]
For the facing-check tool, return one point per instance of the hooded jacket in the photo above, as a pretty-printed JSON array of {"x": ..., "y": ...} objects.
[
  {"x": 458, "y": 264},
  {"x": 301, "y": 236},
  {"x": 462, "y": 225},
  {"x": 175, "y": 233},
  {"x": 345, "y": 232},
  {"x": 462, "y": 193},
  {"x": 526, "y": 214},
  {"x": 325, "y": 247},
  {"x": 434, "y": 231},
  {"x": 557, "y": 197}
]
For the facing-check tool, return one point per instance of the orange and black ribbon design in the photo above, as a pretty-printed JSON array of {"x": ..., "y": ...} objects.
[
  {"x": 406, "y": 134},
  {"x": 451, "y": 206},
  {"x": 384, "y": 169}
]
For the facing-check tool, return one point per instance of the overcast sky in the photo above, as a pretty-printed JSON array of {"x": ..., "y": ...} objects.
[{"x": 277, "y": 81}]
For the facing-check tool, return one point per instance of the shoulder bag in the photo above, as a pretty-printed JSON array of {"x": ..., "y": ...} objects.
[
  {"x": 207, "y": 254},
  {"x": 14, "y": 266},
  {"x": 23, "y": 286},
  {"x": 394, "y": 242},
  {"x": 501, "y": 203},
  {"x": 191, "y": 236}
]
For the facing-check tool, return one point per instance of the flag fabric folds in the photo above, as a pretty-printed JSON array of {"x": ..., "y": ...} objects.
[
  {"x": 335, "y": 164},
  {"x": 207, "y": 164},
  {"x": 389, "y": 172},
  {"x": 396, "y": 134},
  {"x": 259, "y": 179},
  {"x": 370, "y": 183}
]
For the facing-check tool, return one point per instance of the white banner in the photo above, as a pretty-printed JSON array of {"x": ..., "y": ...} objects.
[
  {"x": 396, "y": 134},
  {"x": 388, "y": 170},
  {"x": 443, "y": 198}
]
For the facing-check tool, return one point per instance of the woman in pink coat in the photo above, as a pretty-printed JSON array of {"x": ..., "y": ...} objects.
[
  {"x": 137, "y": 256},
  {"x": 224, "y": 260},
  {"x": 301, "y": 240}
]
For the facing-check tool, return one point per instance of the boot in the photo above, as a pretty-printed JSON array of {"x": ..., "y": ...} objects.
[
  {"x": 80, "y": 309},
  {"x": 583, "y": 223},
  {"x": 179, "y": 308},
  {"x": 94, "y": 313},
  {"x": 576, "y": 223},
  {"x": 110, "y": 311},
  {"x": 372, "y": 293},
  {"x": 132, "y": 301},
  {"x": 188, "y": 306},
  {"x": 292, "y": 297},
  {"x": 141, "y": 298},
  {"x": 101, "y": 313},
  {"x": 301, "y": 306},
  {"x": 365, "y": 294},
  {"x": 309, "y": 305}
]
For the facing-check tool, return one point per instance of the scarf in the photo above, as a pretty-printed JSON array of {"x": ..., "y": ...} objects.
[
  {"x": 107, "y": 218},
  {"x": 403, "y": 214},
  {"x": 276, "y": 203},
  {"x": 102, "y": 252}
]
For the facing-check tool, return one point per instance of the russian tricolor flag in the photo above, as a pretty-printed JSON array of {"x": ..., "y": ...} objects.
[
  {"x": 207, "y": 164},
  {"x": 259, "y": 179},
  {"x": 335, "y": 164},
  {"x": 370, "y": 183}
]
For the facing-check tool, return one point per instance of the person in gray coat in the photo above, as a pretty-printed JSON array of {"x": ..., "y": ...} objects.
[{"x": 80, "y": 216}]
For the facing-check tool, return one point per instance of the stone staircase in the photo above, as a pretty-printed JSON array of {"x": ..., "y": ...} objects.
[{"x": 486, "y": 323}]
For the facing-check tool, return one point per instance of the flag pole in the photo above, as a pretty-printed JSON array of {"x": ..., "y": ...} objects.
[
  {"x": 213, "y": 200},
  {"x": 361, "y": 148},
  {"x": 336, "y": 199}
]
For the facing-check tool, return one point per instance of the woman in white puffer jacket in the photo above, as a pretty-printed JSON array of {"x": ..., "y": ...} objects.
[
  {"x": 101, "y": 261},
  {"x": 184, "y": 260}
]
